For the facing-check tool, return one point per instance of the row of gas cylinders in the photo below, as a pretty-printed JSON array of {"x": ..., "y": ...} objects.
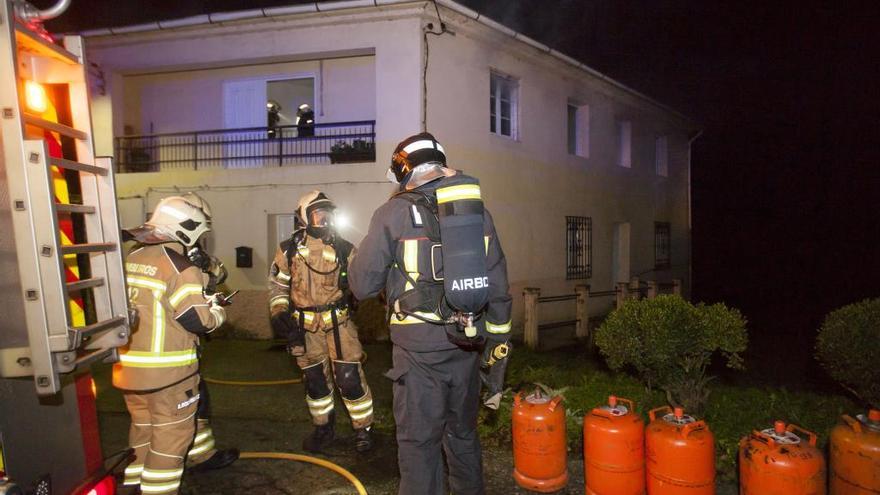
[{"x": 675, "y": 453}]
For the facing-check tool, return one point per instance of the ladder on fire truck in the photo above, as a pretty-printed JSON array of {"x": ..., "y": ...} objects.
[{"x": 38, "y": 155}]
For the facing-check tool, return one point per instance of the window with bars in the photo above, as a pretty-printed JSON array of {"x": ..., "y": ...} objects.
[
  {"x": 579, "y": 247},
  {"x": 503, "y": 105},
  {"x": 662, "y": 245}
]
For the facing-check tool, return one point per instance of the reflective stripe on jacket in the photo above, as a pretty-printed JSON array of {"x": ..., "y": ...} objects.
[{"x": 166, "y": 289}]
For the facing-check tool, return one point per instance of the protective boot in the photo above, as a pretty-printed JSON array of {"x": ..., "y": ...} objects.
[
  {"x": 321, "y": 437},
  {"x": 219, "y": 460},
  {"x": 363, "y": 439}
]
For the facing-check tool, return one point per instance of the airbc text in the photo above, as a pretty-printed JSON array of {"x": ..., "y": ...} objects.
[{"x": 470, "y": 283}]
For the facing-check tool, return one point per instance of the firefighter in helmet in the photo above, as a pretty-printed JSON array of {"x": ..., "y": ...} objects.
[
  {"x": 202, "y": 455},
  {"x": 305, "y": 120},
  {"x": 158, "y": 371},
  {"x": 310, "y": 302},
  {"x": 433, "y": 249}
]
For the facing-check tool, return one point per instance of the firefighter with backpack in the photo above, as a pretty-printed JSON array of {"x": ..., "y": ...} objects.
[
  {"x": 433, "y": 249},
  {"x": 311, "y": 304}
]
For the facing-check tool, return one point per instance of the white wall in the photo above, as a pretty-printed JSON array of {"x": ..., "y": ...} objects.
[
  {"x": 192, "y": 100},
  {"x": 531, "y": 184},
  {"x": 392, "y": 34},
  {"x": 242, "y": 200}
]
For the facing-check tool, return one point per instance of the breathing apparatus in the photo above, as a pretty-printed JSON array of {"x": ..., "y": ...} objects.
[{"x": 452, "y": 217}]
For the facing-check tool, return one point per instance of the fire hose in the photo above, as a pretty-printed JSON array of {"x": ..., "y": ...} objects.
[
  {"x": 262, "y": 383},
  {"x": 311, "y": 460},
  {"x": 285, "y": 455}
]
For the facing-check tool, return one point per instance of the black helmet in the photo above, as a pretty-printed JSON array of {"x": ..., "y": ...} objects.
[{"x": 414, "y": 151}]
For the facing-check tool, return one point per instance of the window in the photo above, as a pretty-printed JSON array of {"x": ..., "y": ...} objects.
[
  {"x": 624, "y": 143},
  {"x": 503, "y": 105},
  {"x": 579, "y": 247},
  {"x": 579, "y": 130},
  {"x": 572, "y": 129},
  {"x": 662, "y": 244},
  {"x": 661, "y": 156}
]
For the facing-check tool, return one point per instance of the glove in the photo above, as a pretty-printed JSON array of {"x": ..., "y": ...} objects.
[
  {"x": 492, "y": 370},
  {"x": 284, "y": 326},
  {"x": 215, "y": 306}
]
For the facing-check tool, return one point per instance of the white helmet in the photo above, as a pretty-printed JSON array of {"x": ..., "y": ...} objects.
[
  {"x": 199, "y": 202},
  {"x": 176, "y": 219},
  {"x": 307, "y": 211}
]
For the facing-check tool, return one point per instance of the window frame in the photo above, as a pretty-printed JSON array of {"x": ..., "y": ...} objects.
[
  {"x": 662, "y": 232},
  {"x": 578, "y": 265},
  {"x": 624, "y": 143},
  {"x": 580, "y": 147},
  {"x": 496, "y": 81},
  {"x": 661, "y": 156}
]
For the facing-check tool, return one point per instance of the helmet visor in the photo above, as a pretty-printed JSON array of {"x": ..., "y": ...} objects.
[{"x": 321, "y": 217}]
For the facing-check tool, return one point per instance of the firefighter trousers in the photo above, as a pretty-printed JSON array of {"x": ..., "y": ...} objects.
[
  {"x": 334, "y": 357},
  {"x": 162, "y": 427},
  {"x": 203, "y": 446},
  {"x": 436, "y": 402}
]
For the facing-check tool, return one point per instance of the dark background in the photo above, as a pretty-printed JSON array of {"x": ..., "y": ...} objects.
[{"x": 786, "y": 176}]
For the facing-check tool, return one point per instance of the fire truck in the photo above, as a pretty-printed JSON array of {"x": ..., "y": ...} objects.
[{"x": 63, "y": 303}]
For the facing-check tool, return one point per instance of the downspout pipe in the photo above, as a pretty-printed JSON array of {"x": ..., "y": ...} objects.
[{"x": 691, "y": 140}]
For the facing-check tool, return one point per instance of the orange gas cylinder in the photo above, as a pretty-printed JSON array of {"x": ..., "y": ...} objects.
[
  {"x": 855, "y": 455},
  {"x": 679, "y": 453},
  {"x": 539, "y": 451},
  {"x": 775, "y": 461},
  {"x": 614, "y": 450}
]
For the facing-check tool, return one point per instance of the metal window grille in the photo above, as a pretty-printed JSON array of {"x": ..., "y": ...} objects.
[
  {"x": 579, "y": 247},
  {"x": 662, "y": 245}
]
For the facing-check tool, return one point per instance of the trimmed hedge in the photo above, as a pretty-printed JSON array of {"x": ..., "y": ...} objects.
[{"x": 848, "y": 346}]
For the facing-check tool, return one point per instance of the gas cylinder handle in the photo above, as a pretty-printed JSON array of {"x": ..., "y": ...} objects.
[
  {"x": 631, "y": 404},
  {"x": 853, "y": 423},
  {"x": 653, "y": 412},
  {"x": 809, "y": 433},
  {"x": 763, "y": 437},
  {"x": 555, "y": 402},
  {"x": 517, "y": 399},
  {"x": 690, "y": 427}
]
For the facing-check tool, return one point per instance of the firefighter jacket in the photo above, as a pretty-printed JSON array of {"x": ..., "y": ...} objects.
[
  {"x": 309, "y": 274},
  {"x": 393, "y": 237},
  {"x": 166, "y": 289}
]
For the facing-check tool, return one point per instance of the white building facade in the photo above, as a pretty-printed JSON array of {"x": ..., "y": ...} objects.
[{"x": 588, "y": 180}]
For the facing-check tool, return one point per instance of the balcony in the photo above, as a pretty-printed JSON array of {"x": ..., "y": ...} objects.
[{"x": 253, "y": 147}]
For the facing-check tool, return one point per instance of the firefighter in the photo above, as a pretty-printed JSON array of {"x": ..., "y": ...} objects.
[
  {"x": 202, "y": 455},
  {"x": 158, "y": 370},
  {"x": 310, "y": 303},
  {"x": 419, "y": 250},
  {"x": 305, "y": 120}
]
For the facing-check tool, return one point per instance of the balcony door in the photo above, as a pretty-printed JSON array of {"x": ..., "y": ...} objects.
[{"x": 244, "y": 106}]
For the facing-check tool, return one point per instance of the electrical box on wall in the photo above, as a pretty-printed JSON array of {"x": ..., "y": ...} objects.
[{"x": 244, "y": 257}]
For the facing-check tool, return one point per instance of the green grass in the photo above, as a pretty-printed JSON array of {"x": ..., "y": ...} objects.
[{"x": 733, "y": 410}]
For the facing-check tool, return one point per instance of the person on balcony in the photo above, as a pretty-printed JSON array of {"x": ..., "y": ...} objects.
[{"x": 305, "y": 121}]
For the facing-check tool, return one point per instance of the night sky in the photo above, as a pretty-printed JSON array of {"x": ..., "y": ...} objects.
[{"x": 786, "y": 177}]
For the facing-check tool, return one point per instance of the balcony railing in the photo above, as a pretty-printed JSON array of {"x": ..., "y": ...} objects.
[{"x": 252, "y": 147}]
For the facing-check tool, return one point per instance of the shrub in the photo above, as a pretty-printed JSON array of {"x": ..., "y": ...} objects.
[
  {"x": 669, "y": 342},
  {"x": 848, "y": 345}
]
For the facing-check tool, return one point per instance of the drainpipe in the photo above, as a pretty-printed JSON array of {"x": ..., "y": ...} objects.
[{"x": 690, "y": 217}]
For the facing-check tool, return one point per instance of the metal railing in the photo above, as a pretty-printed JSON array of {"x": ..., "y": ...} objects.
[{"x": 252, "y": 147}]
